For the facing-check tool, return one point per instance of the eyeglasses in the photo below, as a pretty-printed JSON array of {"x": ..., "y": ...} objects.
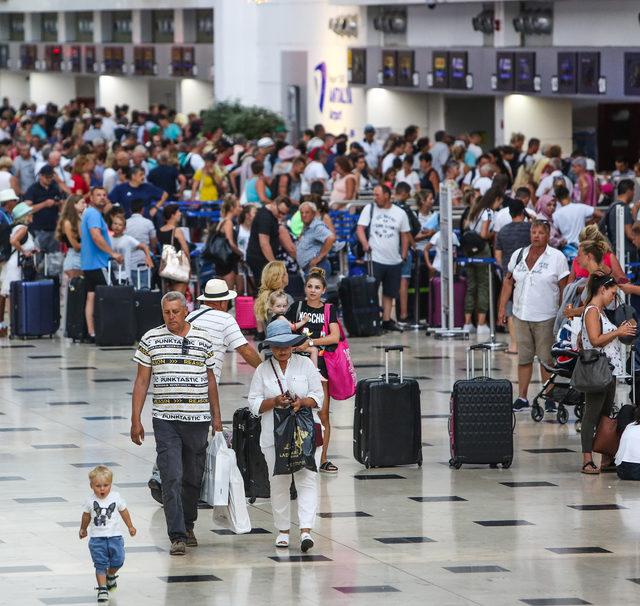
[{"x": 185, "y": 346}]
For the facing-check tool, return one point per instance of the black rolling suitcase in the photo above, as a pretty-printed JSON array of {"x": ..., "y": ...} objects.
[
  {"x": 360, "y": 305},
  {"x": 387, "y": 424},
  {"x": 481, "y": 420},
  {"x": 115, "y": 314},
  {"x": 148, "y": 305},
  {"x": 76, "y": 323},
  {"x": 251, "y": 462}
]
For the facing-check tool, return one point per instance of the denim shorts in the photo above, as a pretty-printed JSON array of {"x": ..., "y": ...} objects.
[
  {"x": 407, "y": 265},
  {"x": 106, "y": 552},
  {"x": 71, "y": 261}
]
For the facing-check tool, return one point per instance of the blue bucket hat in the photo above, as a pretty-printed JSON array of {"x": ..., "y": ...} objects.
[{"x": 279, "y": 335}]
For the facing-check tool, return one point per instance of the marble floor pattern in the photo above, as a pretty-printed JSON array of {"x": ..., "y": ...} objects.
[{"x": 539, "y": 533}]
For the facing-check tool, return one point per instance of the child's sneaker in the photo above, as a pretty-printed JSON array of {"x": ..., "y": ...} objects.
[
  {"x": 111, "y": 582},
  {"x": 103, "y": 595}
]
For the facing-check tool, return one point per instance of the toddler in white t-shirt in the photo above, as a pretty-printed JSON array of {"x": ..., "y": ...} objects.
[{"x": 102, "y": 514}]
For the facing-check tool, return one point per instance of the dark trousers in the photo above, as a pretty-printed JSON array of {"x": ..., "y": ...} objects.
[
  {"x": 596, "y": 405},
  {"x": 181, "y": 449}
]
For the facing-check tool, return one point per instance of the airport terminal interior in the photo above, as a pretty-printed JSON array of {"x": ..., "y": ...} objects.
[{"x": 537, "y": 533}]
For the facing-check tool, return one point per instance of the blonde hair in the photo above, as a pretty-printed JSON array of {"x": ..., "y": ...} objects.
[
  {"x": 597, "y": 248},
  {"x": 591, "y": 232},
  {"x": 101, "y": 471},
  {"x": 230, "y": 202},
  {"x": 274, "y": 296},
  {"x": 273, "y": 277}
]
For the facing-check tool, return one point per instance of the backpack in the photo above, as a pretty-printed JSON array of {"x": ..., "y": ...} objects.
[
  {"x": 184, "y": 165},
  {"x": 414, "y": 222},
  {"x": 5, "y": 235},
  {"x": 275, "y": 184},
  {"x": 603, "y": 226},
  {"x": 471, "y": 241}
]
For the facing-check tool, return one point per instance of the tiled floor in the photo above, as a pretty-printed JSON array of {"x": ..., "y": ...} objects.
[{"x": 537, "y": 533}]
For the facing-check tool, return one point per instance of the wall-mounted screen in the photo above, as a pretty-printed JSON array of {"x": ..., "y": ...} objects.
[
  {"x": 389, "y": 68},
  {"x": 567, "y": 73},
  {"x": 525, "y": 71},
  {"x": 632, "y": 73},
  {"x": 505, "y": 69},
  {"x": 458, "y": 67},
  {"x": 406, "y": 67},
  {"x": 357, "y": 65},
  {"x": 440, "y": 69},
  {"x": 588, "y": 73}
]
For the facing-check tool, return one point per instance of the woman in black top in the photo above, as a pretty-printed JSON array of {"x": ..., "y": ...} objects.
[
  {"x": 170, "y": 233},
  {"x": 264, "y": 241},
  {"x": 313, "y": 309}
]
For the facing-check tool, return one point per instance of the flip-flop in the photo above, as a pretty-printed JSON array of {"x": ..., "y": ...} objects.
[
  {"x": 511, "y": 353},
  {"x": 590, "y": 469}
]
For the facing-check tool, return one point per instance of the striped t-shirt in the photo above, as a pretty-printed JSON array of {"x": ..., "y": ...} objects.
[
  {"x": 222, "y": 329},
  {"x": 180, "y": 384}
]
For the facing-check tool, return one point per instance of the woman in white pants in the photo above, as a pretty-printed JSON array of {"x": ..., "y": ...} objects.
[{"x": 287, "y": 380}]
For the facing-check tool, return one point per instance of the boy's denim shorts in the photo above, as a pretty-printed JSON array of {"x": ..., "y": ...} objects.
[{"x": 106, "y": 552}]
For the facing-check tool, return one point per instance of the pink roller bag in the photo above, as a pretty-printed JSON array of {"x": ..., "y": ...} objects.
[{"x": 245, "y": 315}]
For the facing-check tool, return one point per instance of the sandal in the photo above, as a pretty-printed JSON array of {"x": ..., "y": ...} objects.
[
  {"x": 328, "y": 467},
  {"x": 609, "y": 466},
  {"x": 283, "y": 540},
  {"x": 590, "y": 468},
  {"x": 511, "y": 352}
]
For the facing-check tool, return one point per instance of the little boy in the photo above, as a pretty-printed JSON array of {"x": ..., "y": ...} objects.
[{"x": 103, "y": 511}]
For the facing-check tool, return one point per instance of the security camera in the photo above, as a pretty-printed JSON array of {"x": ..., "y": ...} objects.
[{"x": 432, "y": 4}]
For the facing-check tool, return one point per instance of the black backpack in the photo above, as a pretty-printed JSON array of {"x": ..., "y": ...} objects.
[
  {"x": 603, "y": 226},
  {"x": 5, "y": 244},
  {"x": 184, "y": 165},
  {"x": 471, "y": 241},
  {"x": 414, "y": 223}
]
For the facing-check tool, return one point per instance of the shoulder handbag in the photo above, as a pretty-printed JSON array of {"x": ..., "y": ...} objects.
[
  {"x": 218, "y": 250},
  {"x": 607, "y": 440},
  {"x": 592, "y": 372},
  {"x": 174, "y": 266},
  {"x": 472, "y": 242},
  {"x": 342, "y": 375},
  {"x": 317, "y": 428}
]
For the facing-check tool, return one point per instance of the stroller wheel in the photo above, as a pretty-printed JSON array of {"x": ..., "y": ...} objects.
[
  {"x": 537, "y": 412},
  {"x": 578, "y": 426},
  {"x": 579, "y": 410},
  {"x": 563, "y": 415}
]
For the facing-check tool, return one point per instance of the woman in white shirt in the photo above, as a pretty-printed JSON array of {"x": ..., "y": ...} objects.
[
  {"x": 287, "y": 380},
  {"x": 599, "y": 333}
]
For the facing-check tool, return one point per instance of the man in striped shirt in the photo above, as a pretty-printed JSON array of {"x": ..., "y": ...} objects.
[{"x": 180, "y": 359}]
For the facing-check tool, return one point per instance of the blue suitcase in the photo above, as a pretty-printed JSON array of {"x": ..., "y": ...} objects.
[{"x": 35, "y": 308}]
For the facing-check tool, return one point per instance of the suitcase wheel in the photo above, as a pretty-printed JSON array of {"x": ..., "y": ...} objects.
[
  {"x": 455, "y": 463},
  {"x": 506, "y": 463},
  {"x": 252, "y": 500}
]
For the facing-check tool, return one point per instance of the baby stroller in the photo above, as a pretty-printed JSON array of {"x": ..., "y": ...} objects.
[{"x": 561, "y": 392}]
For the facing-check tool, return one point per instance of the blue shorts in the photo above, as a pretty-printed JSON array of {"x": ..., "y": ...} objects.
[
  {"x": 407, "y": 265},
  {"x": 106, "y": 552}
]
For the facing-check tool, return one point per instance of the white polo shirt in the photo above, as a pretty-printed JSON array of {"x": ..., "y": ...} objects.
[{"x": 536, "y": 296}]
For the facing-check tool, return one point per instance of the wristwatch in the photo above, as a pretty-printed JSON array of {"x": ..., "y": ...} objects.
[{"x": 310, "y": 342}]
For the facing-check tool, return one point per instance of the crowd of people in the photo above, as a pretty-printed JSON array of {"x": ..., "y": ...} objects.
[{"x": 107, "y": 190}]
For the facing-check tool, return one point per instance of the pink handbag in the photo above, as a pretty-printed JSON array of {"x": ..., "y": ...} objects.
[{"x": 342, "y": 375}]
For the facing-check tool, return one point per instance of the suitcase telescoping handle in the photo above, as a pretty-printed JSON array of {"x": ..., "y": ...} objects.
[
  {"x": 387, "y": 349},
  {"x": 139, "y": 269},
  {"x": 120, "y": 269},
  {"x": 486, "y": 361}
]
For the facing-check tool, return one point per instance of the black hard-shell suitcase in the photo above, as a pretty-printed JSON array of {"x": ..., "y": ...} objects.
[
  {"x": 251, "y": 462},
  {"x": 35, "y": 308},
  {"x": 148, "y": 307},
  {"x": 387, "y": 424},
  {"x": 115, "y": 313},
  {"x": 360, "y": 306},
  {"x": 76, "y": 323},
  {"x": 481, "y": 420}
]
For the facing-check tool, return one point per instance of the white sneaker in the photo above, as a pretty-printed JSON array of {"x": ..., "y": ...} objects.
[
  {"x": 282, "y": 541},
  {"x": 470, "y": 328},
  {"x": 483, "y": 331},
  {"x": 306, "y": 542}
]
